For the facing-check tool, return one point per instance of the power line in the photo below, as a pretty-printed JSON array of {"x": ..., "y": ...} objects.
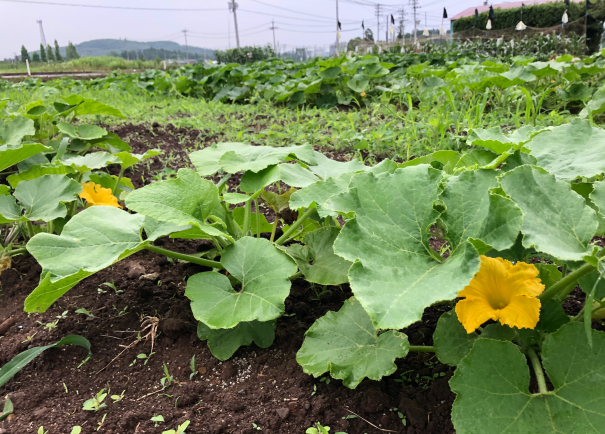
[
  {"x": 273, "y": 28},
  {"x": 112, "y": 7},
  {"x": 233, "y": 7}
]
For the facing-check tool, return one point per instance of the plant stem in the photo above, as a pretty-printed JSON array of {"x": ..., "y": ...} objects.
[
  {"x": 257, "y": 218},
  {"x": 248, "y": 207},
  {"x": 184, "y": 257},
  {"x": 30, "y": 229},
  {"x": 422, "y": 349},
  {"x": 295, "y": 276},
  {"x": 16, "y": 252},
  {"x": 115, "y": 187},
  {"x": 535, "y": 362},
  {"x": 274, "y": 228},
  {"x": 565, "y": 282},
  {"x": 294, "y": 227}
]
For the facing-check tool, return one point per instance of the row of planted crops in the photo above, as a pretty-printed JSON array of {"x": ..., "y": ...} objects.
[{"x": 516, "y": 207}]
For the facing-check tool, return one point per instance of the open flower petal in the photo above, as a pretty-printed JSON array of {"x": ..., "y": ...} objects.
[
  {"x": 501, "y": 291},
  {"x": 94, "y": 194}
]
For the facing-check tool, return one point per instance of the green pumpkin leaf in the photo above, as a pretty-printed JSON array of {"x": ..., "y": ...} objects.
[
  {"x": 128, "y": 159},
  {"x": 239, "y": 157},
  {"x": 359, "y": 82},
  {"x": 293, "y": 175},
  {"x": 15, "y": 130},
  {"x": 316, "y": 194},
  {"x": 473, "y": 212},
  {"x": 90, "y": 132},
  {"x": 571, "y": 150},
  {"x": 328, "y": 168},
  {"x": 88, "y": 162},
  {"x": 449, "y": 159},
  {"x": 92, "y": 240},
  {"x": 263, "y": 271},
  {"x": 492, "y": 387},
  {"x": 223, "y": 343},
  {"x": 186, "y": 200},
  {"x": 556, "y": 220},
  {"x": 37, "y": 171},
  {"x": 87, "y": 106},
  {"x": 452, "y": 343},
  {"x": 552, "y": 317},
  {"x": 316, "y": 258},
  {"x": 9, "y": 210},
  {"x": 549, "y": 274},
  {"x": 396, "y": 274},
  {"x": 42, "y": 198},
  {"x": 346, "y": 344},
  {"x": 13, "y": 154},
  {"x": 4, "y": 190}
]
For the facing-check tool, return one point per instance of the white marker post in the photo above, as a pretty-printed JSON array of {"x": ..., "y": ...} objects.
[{"x": 28, "y": 71}]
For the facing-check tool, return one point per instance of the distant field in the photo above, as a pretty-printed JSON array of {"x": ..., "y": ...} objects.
[{"x": 85, "y": 64}]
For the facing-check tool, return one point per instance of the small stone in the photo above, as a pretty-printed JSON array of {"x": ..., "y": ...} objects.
[
  {"x": 135, "y": 270},
  {"x": 229, "y": 371},
  {"x": 283, "y": 413},
  {"x": 151, "y": 276},
  {"x": 10, "y": 418},
  {"x": 6, "y": 325},
  {"x": 40, "y": 412},
  {"x": 202, "y": 370},
  {"x": 242, "y": 392}
]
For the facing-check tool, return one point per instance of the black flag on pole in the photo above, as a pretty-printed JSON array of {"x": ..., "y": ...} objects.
[
  {"x": 444, "y": 13},
  {"x": 476, "y": 14},
  {"x": 392, "y": 19},
  {"x": 363, "y": 25},
  {"x": 491, "y": 14},
  {"x": 339, "y": 26}
]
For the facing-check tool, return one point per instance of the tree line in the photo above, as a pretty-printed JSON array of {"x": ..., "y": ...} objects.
[{"x": 49, "y": 54}]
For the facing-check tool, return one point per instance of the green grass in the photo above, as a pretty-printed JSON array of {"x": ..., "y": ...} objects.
[{"x": 100, "y": 63}]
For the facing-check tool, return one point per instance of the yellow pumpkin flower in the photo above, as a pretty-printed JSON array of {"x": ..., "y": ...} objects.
[
  {"x": 94, "y": 194},
  {"x": 503, "y": 292},
  {"x": 363, "y": 94}
]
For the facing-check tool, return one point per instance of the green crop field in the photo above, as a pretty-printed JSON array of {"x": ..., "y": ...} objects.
[{"x": 396, "y": 241}]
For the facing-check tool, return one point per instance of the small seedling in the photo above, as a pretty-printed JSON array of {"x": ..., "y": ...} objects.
[
  {"x": 29, "y": 338},
  {"x": 112, "y": 286},
  {"x": 192, "y": 367},
  {"x": 314, "y": 390},
  {"x": 404, "y": 420},
  {"x": 96, "y": 403},
  {"x": 8, "y": 409},
  {"x": 142, "y": 356},
  {"x": 76, "y": 430},
  {"x": 65, "y": 387},
  {"x": 180, "y": 429},
  {"x": 256, "y": 427},
  {"x": 167, "y": 379},
  {"x": 324, "y": 380},
  {"x": 350, "y": 416},
  {"x": 318, "y": 429},
  {"x": 118, "y": 398},
  {"x": 85, "y": 312},
  {"x": 102, "y": 422},
  {"x": 49, "y": 326},
  {"x": 157, "y": 419},
  {"x": 41, "y": 430}
]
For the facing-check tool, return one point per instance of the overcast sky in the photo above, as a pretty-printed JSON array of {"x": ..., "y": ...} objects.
[{"x": 299, "y": 23}]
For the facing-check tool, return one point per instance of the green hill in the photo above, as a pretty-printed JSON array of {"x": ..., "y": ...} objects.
[{"x": 105, "y": 47}]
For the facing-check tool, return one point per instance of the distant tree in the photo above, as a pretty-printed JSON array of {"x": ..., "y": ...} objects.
[
  {"x": 24, "y": 54},
  {"x": 58, "y": 56},
  {"x": 43, "y": 54},
  {"x": 368, "y": 35},
  {"x": 35, "y": 57},
  {"x": 70, "y": 52},
  {"x": 353, "y": 43},
  {"x": 114, "y": 54},
  {"x": 157, "y": 60},
  {"x": 49, "y": 54}
]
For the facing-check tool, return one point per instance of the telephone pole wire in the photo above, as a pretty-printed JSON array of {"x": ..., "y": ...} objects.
[
  {"x": 273, "y": 28},
  {"x": 233, "y": 7},
  {"x": 378, "y": 22},
  {"x": 186, "y": 46}
]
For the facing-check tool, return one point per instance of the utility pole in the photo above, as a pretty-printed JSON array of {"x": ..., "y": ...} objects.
[
  {"x": 415, "y": 6},
  {"x": 337, "y": 33},
  {"x": 233, "y": 7},
  {"x": 186, "y": 46},
  {"x": 42, "y": 38},
  {"x": 377, "y": 22},
  {"x": 273, "y": 28},
  {"x": 402, "y": 25}
]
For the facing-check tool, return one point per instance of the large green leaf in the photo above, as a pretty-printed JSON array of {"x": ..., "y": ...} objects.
[
  {"x": 396, "y": 274},
  {"x": 42, "y": 198},
  {"x": 472, "y": 211},
  {"x": 236, "y": 157},
  {"x": 492, "y": 387},
  {"x": 571, "y": 150},
  {"x": 515, "y": 76},
  {"x": 358, "y": 83},
  {"x": 92, "y": 240},
  {"x": 88, "y": 162},
  {"x": 223, "y": 343},
  {"x": 87, "y": 106},
  {"x": 37, "y": 171},
  {"x": 128, "y": 159},
  {"x": 315, "y": 195},
  {"x": 293, "y": 175},
  {"x": 263, "y": 272},
  {"x": 9, "y": 210},
  {"x": 186, "y": 200},
  {"x": 452, "y": 343},
  {"x": 346, "y": 344},
  {"x": 17, "y": 363},
  {"x": 16, "y": 129},
  {"x": 448, "y": 159},
  {"x": 328, "y": 168},
  {"x": 316, "y": 258},
  {"x": 494, "y": 140},
  {"x": 13, "y": 154},
  {"x": 556, "y": 220}
]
